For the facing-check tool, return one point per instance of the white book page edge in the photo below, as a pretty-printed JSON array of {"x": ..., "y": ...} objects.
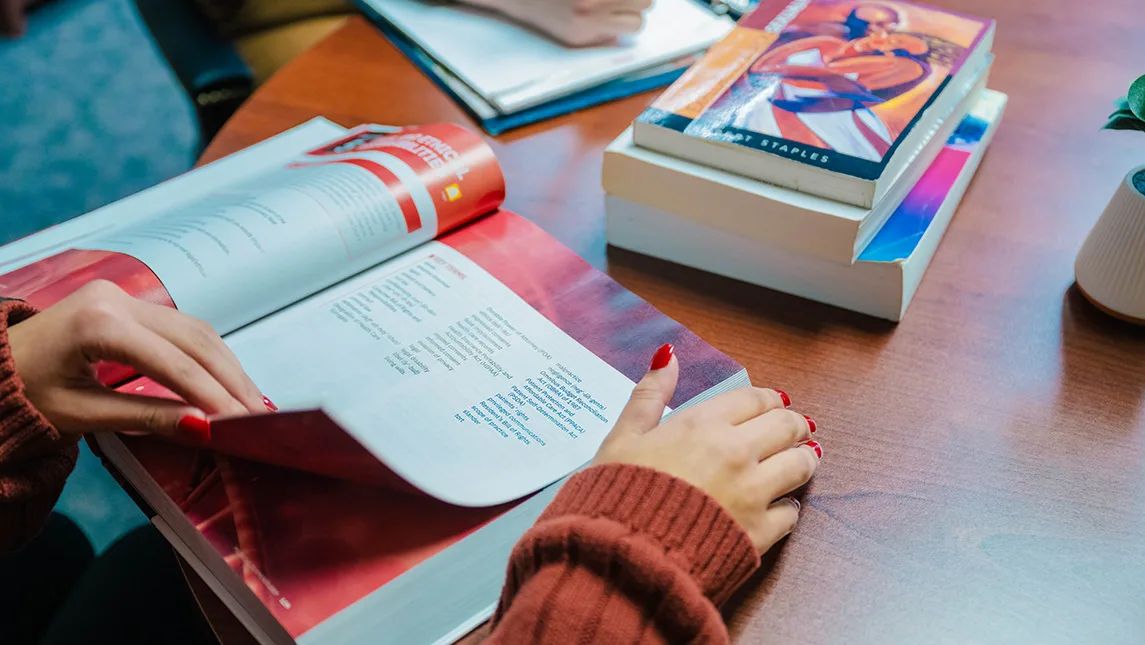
[{"x": 180, "y": 190}]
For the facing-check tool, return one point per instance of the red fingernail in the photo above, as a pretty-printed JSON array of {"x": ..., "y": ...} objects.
[
  {"x": 814, "y": 445},
  {"x": 663, "y": 357},
  {"x": 783, "y": 397},
  {"x": 795, "y": 503},
  {"x": 810, "y": 422},
  {"x": 196, "y": 428},
  {"x": 274, "y": 408}
]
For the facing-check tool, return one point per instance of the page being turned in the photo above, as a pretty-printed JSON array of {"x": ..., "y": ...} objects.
[
  {"x": 250, "y": 249},
  {"x": 442, "y": 373},
  {"x": 479, "y": 368}
]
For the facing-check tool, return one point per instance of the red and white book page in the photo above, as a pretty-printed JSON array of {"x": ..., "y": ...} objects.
[
  {"x": 444, "y": 374},
  {"x": 306, "y": 546},
  {"x": 246, "y": 250},
  {"x": 309, "y": 546}
]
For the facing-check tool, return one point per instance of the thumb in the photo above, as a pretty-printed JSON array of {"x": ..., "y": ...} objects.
[
  {"x": 105, "y": 410},
  {"x": 646, "y": 406}
]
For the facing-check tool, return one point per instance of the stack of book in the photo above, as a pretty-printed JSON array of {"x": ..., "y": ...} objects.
[{"x": 820, "y": 149}]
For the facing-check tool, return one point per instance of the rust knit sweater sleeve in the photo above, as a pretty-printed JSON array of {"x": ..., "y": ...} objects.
[
  {"x": 624, "y": 554},
  {"x": 34, "y": 459}
]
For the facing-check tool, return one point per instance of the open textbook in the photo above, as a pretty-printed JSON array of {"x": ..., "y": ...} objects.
[{"x": 439, "y": 363}]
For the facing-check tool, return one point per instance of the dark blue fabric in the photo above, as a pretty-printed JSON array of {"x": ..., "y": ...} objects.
[
  {"x": 89, "y": 113},
  {"x": 201, "y": 58}
]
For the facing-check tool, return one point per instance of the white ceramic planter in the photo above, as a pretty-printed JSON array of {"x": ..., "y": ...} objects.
[{"x": 1110, "y": 268}]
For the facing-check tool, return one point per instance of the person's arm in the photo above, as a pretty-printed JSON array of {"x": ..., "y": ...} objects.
[
  {"x": 624, "y": 554},
  {"x": 35, "y": 459},
  {"x": 49, "y": 395},
  {"x": 644, "y": 546}
]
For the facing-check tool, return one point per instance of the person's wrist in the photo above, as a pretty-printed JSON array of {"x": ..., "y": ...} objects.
[
  {"x": 689, "y": 525},
  {"x": 23, "y": 424}
]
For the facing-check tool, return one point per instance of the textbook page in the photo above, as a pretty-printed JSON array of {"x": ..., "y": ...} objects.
[
  {"x": 378, "y": 546},
  {"x": 184, "y": 189},
  {"x": 444, "y": 374},
  {"x": 245, "y": 250}
]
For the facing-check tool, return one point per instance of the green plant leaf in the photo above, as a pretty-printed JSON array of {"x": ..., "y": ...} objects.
[
  {"x": 1122, "y": 104},
  {"x": 1126, "y": 112},
  {"x": 1125, "y": 123},
  {"x": 1137, "y": 97}
]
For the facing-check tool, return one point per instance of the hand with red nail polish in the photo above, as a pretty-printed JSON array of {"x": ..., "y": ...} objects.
[
  {"x": 54, "y": 350},
  {"x": 743, "y": 448},
  {"x": 662, "y": 357}
]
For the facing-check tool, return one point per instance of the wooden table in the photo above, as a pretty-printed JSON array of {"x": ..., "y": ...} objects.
[{"x": 983, "y": 477}]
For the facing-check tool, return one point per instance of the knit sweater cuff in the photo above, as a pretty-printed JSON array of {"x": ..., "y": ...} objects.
[
  {"x": 694, "y": 531},
  {"x": 24, "y": 432}
]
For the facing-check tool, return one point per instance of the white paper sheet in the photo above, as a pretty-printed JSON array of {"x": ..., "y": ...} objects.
[
  {"x": 514, "y": 67},
  {"x": 444, "y": 374},
  {"x": 246, "y": 250}
]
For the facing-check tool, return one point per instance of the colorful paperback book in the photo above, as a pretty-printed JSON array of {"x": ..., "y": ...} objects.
[
  {"x": 883, "y": 279},
  {"x": 897, "y": 240},
  {"x": 764, "y": 213},
  {"x": 438, "y": 362},
  {"x": 827, "y": 86}
]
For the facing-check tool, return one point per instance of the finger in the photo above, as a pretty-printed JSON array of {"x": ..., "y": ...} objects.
[
  {"x": 98, "y": 409},
  {"x": 742, "y": 404},
  {"x": 787, "y": 470},
  {"x": 614, "y": 24},
  {"x": 775, "y": 430},
  {"x": 646, "y": 406},
  {"x": 152, "y": 355},
  {"x": 593, "y": 29},
  {"x": 778, "y": 522},
  {"x": 199, "y": 341},
  {"x": 585, "y": 7}
]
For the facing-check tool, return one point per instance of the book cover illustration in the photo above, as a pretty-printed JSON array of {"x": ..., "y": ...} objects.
[
  {"x": 903, "y": 231},
  {"x": 830, "y": 83}
]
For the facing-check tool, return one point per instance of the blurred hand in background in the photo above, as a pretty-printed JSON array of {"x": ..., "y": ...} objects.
[{"x": 574, "y": 22}]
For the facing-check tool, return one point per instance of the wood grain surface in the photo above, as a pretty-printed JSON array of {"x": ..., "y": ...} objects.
[{"x": 983, "y": 478}]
